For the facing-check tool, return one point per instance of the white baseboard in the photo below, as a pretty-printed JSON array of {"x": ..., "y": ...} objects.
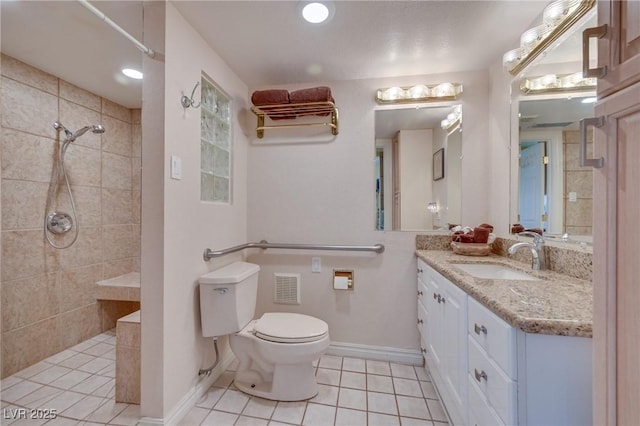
[
  {"x": 192, "y": 397},
  {"x": 378, "y": 353}
]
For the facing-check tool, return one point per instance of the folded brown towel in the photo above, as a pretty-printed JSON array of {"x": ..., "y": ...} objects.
[
  {"x": 313, "y": 94},
  {"x": 270, "y": 98},
  {"x": 516, "y": 228},
  {"x": 486, "y": 225},
  {"x": 536, "y": 230},
  {"x": 467, "y": 238},
  {"x": 481, "y": 235}
]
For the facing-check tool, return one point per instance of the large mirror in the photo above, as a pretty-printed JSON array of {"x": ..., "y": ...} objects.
[
  {"x": 418, "y": 167},
  {"x": 551, "y": 192}
]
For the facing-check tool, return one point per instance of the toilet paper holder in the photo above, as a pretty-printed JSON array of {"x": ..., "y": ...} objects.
[{"x": 343, "y": 279}]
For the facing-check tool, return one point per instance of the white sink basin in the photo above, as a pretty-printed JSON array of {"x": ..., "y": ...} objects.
[{"x": 493, "y": 272}]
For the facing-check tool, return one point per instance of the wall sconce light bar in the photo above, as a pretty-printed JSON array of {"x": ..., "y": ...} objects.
[
  {"x": 552, "y": 83},
  {"x": 419, "y": 93},
  {"x": 453, "y": 120},
  {"x": 557, "y": 18}
]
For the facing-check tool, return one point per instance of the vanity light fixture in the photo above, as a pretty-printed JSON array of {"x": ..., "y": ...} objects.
[
  {"x": 557, "y": 18},
  {"x": 419, "y": 93},
  {"x": 552, "y": 83},
  {"x": 432, "y": 207},
  {"x": 453, "y": 120}
]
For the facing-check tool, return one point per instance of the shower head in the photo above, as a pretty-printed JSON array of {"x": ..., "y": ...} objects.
[
  {"x": 59, "y": 126},
  {"x": 70, "y": 137}
]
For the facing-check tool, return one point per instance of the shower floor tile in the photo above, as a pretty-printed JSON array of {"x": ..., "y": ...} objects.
[{"x": 79, "y": 383}]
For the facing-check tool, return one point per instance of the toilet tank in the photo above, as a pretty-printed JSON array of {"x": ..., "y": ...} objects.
[{"x": 228, "y": 298}]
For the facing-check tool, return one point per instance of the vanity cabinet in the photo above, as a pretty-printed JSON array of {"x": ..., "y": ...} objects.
[
  {"x": 444, "y": 338},
  {"x": 617, "y": 238},
  {"x": 619, "y": 48},
  {"x": 489, "y": 372}
]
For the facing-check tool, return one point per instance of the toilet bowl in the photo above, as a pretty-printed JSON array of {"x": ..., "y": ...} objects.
[
  {"x": 275, "y": 352},
  {"x": 276, "y": 355}
]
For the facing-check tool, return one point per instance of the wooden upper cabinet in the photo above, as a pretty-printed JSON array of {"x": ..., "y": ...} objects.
[{"x": 619, "y": 48}]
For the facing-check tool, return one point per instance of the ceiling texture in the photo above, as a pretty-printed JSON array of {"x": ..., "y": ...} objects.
[{"x": 267, "y": 43}]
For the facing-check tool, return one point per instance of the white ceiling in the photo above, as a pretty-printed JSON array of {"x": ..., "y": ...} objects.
[{"x": 266, "y": 43}]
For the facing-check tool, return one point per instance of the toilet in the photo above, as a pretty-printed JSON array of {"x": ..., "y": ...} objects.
[{"x": 276, "y": 351}]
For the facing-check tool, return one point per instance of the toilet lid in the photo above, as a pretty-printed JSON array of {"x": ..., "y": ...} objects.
[{"x": 290, "y": 328}]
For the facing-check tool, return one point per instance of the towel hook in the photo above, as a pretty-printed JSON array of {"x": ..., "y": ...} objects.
[{"x": 189, "y": 101}]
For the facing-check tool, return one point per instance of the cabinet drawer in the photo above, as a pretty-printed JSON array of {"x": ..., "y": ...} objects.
[
  {"x": 495, "y": 385},
  {"x": 495, "y": 336},
  {"x": 480, "y": 412}
]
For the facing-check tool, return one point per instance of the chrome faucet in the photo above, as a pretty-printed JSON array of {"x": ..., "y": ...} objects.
[{"x": 537, "y": 249}]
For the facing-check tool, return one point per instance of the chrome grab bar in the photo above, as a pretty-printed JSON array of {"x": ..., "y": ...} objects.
[{"x": 210, "y": 254}]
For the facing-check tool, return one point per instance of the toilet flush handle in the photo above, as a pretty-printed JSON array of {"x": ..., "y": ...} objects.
[{"x": 222, "y": 290}]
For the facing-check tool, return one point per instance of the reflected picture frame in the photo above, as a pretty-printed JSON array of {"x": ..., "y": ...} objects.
[{"x": 438, "y": 164}]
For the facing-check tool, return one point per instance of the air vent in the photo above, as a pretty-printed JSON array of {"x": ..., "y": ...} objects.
[
  {"x": 287, "y": 288},
  {"x": 545, "y": 125}
]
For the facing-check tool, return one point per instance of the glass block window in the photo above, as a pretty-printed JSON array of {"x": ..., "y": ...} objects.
[{"x": 215, "y": 144}]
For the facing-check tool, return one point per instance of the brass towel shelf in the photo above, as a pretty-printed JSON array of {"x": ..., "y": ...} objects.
[{"x": 291, "y": 111}]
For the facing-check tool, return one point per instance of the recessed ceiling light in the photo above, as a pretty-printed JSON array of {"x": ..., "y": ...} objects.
[
  {"x": 315, "y": 12},
  {"x": 131, "y": 73}
]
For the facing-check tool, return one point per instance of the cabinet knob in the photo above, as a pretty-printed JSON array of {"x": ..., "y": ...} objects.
[
  {"x": 479, "y": 329},
  {"x": 480, "y": 375},
  {"x": 420, "y": 321}
]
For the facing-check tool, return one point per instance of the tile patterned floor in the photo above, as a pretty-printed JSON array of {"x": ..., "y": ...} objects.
[{"x": 79, "y": 384}]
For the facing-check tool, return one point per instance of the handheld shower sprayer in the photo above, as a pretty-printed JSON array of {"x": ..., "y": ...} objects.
[
  {"x": 57, "y": 222},
  {"x": 72, "y": 136}
]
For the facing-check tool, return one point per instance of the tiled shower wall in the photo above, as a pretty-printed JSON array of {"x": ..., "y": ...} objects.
[
  {"x": 48, "y": 295},
  {"x": 578, "y": 214}
]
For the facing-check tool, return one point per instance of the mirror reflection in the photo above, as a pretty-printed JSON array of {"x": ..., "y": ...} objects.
[
  {"x": 554, "y": 194},
  {"x": 418, "y": 167}
]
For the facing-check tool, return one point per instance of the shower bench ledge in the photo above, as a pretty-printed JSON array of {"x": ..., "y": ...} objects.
[{"x": 125, "y": 287}]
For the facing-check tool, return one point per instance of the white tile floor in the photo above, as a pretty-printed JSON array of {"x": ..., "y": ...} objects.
[{"x": 79, "y": 385}]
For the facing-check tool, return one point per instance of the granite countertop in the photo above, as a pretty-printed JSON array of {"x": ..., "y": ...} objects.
[{"x": 557, "y": 304}]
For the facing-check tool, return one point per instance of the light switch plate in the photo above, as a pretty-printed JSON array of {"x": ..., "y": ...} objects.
[
  {"x": 176, "y": 167},
  {"x": 316, "y": 264}
]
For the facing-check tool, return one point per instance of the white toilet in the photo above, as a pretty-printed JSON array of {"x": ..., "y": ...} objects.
[{"x": 275, "y": 352}]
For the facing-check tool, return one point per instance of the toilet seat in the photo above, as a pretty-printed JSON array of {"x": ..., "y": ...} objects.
[{"x": 283, "y": 327}]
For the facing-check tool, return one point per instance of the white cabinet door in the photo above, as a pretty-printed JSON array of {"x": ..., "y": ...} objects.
[
  {"x": 616, "y": 293},
  {"x": 454, "y": 327},
  {"x": 434, "y": 320}
]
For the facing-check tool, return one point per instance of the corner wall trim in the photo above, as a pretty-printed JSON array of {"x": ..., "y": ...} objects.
[{"x": 379, "y": 353}]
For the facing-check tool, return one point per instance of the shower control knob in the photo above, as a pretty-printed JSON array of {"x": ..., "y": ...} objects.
[{"x": 59, "y": 223}]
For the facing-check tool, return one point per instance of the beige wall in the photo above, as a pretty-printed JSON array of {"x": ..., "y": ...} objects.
[
  {"x": 177, "y": 225},
  {"x": 323, "y": 192},
  {"x": 48, "y": 295}
]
